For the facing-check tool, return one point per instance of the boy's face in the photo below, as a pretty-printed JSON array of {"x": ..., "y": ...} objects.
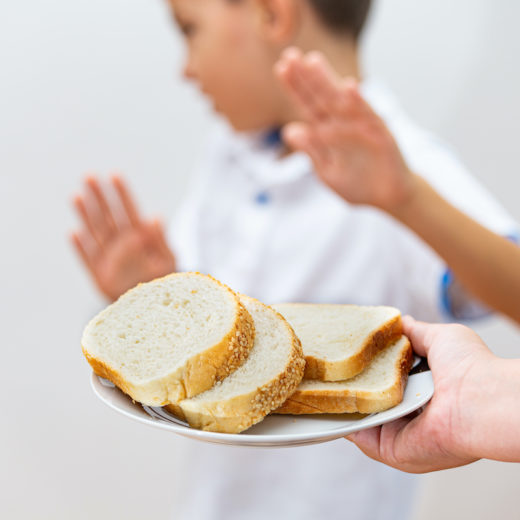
[{"x": 229, "y": 60}]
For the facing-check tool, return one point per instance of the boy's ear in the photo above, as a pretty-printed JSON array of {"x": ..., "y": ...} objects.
[{"x": 278, "y": 19}]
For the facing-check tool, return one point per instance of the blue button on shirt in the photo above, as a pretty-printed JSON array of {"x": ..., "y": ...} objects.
[{"x": 263, "y": 198}]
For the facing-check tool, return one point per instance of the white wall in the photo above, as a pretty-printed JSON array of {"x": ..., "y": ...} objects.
[{"x": 91, "y": 85}]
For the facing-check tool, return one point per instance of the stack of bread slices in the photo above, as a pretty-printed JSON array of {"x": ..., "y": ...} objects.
[
  {"x": 357, "y": 359},
  {"x": 223, "y": 361}
]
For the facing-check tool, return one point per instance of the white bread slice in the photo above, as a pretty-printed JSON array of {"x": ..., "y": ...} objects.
[
  {"x": 379, "y": 387},
  {"x": 339, "y": 341},
  {"x": 170, "y": 339},
  {"x": 270, "y": 374}
]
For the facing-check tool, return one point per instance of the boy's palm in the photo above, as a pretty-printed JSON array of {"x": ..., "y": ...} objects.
[
  {"x": 117, "y": 246},
  {"x": 361, "y": 164},
  {"x": 352, "y": 150},
  {"x": 132, "y": 256}
]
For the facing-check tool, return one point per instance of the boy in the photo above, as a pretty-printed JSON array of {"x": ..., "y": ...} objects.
[{"x": 260, "y": 220}]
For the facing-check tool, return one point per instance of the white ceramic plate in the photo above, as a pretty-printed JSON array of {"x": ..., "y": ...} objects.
[{"x": 275, "y": 430}]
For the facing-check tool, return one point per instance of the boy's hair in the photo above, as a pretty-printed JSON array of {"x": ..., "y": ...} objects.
[{"x": 345, "y": 17}]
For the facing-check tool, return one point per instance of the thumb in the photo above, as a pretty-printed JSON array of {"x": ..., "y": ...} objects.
[
  {"x": 296, "y": 135},
  {"x": 160, "y": 237},
  {"x": 419, "y": 333},
  {"x": 300, "y": 137}
]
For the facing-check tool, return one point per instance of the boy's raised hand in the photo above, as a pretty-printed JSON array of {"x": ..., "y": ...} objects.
[
  {"x": 352, "y": 150},
  {"x": 119, "y": 248}
]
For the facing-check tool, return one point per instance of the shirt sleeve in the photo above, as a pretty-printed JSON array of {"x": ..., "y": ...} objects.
[{"x": 457, "y": 303}]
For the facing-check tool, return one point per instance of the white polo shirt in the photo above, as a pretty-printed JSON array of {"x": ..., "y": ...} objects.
[{"x": 269, "y": 228}]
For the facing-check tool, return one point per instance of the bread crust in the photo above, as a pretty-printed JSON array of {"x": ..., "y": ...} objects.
[
  {"x": 199, "y": 372},
  {"x": 323, "y": 370},
  {"x": 348, "y": 401},
  {"x": 241, "y": 412}
]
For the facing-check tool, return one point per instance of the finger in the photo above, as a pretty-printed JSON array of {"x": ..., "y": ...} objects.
[
  {"x": 295, "y": 135},
  {"x": 106, "y": 223},
  {"x": 340, "y": 135},
  {"x": 350, "y": 102},
  {"x": 284, "y": 69},
  {"x": 284, "y": 63},
  {"x": 315, "y": 102},
  {"x": 300, "y": 137},
  {"x": 351, "y": 106},
  {"x": 289, "y": 70},
  {"x": 408, "y": 445},
  {"x": 160, "y": 238},
  {"x": 411, "y": 444},
  {"x": 322, "y": 81},
  {"x": 368, "y": 442},
  {"x": 88, "y": 221},
  {"x": 127, "y": 201},
  {"x": 392, "y": 444},
  {"x": 418, "y": 333},
  {"x": 80, "y": 248}
]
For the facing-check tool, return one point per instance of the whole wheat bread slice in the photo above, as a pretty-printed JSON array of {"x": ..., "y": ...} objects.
[
  {"x": 170, "y": 339},
  {"x": 379, "y": 387},
  {"x": 339, "y": 341},
  {"x": 270, "y": 374}
]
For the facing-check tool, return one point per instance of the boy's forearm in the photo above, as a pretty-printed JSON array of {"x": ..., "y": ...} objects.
[{"x": 488, "y": 265}]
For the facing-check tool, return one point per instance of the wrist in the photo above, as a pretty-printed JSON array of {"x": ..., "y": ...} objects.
[
  {"x": 412, "y": 201},
  {"x": 494, "y": 418}
]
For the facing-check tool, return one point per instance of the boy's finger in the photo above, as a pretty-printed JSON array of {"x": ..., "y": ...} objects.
[
  {"x": 351, "y": 103},
  {"x": 127, "y": 200},
  {"x": 340, "y": 135},
  {"x": 291, "y": 53},
  {"x": 319, "y": 153},
  {"x": 160, "y": 237},
  {"x": 87, "y": 219},
  {"x": 284, "y": 68},
  {"x": 294, "y": 134},
  {"x": 315, "y": 102},
  {"x": 322, "y": 81},
  {"x": 106, "y": 224},
  {"x": 289, "y": 72},
  {"x": 82, "y": 251},
  {"x": 299, "y": 137},
  {"x": 300, "y": 97}
]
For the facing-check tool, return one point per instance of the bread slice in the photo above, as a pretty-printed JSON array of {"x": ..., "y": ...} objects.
[
  {"x": 170, "y": 339},
  {"x": 379, "y": 387},
  {"x": 339, "y": 341},
  {"x": 271, "y": 373}
]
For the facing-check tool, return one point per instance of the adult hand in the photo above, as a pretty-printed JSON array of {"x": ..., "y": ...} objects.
[{"x": 465, "y": 418}]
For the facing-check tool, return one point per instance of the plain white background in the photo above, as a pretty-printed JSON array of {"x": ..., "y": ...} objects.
[{"x": 93, "y": 85}]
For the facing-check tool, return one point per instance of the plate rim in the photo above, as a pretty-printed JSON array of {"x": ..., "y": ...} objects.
[{"x": 257, "y": 440}]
